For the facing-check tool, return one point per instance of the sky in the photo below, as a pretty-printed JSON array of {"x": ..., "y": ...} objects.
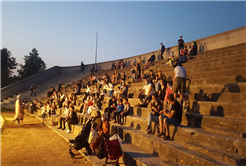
[{"x": 64, "y": 33}]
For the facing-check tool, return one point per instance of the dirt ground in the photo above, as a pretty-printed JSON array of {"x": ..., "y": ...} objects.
[{"x": 34, "y": 144}]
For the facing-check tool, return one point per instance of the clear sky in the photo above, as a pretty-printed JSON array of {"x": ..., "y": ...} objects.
[{"x": 64, "y": 33}]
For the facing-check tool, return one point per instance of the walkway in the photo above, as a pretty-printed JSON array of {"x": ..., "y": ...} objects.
[{"x": 34, "y": 144}]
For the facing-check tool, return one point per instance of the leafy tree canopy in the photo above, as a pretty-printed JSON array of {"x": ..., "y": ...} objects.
[
  {"x": 33, "y": 64},
  {"x": 8, "y": 64}
]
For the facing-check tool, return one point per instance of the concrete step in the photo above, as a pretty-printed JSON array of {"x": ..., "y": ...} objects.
[
  {"x": 219, "y": 97},
  {"x": 232, "y": 159},
  {"x": 203, "y": 121},
  {"x": 194, "y": 69},
  {"x": 225, "y": 109},
  {"x": 184, "y": 134},
  {"x": 173, "y": 151},
  {"x": 134, "y": 156},
  {"x": 225, "y": 131}
]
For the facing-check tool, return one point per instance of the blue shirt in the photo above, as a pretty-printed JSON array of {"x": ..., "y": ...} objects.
[
  {"x": 120, "y": 108},
  {"x": 183, "y": 58}
]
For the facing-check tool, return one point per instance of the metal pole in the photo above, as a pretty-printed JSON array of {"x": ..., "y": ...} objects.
[{"x": 96, "y": 48}]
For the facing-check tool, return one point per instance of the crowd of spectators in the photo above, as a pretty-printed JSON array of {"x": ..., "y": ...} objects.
[{"x": 158, "y": 94}]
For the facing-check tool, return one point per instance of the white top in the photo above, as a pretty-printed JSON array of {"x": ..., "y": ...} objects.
[
  {"x": 180, "y": 71},
  {"x": 93, "y": 137},
  {"x": 66, "y": 112},
  {"x": 147, "y": 88},
  {"x": 88, "y": 90},
  {"x": 43, "y": 110},
  {"x": 110, "y": 86}
]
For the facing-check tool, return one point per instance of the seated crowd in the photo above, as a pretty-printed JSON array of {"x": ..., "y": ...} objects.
[{"x": 157, "y": 94}]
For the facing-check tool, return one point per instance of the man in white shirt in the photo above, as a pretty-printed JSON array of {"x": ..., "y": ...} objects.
[
  {"x": 64, "y": 116},
  {"x": 146, "y": 93},
  {"x": 179, "y": 81}
]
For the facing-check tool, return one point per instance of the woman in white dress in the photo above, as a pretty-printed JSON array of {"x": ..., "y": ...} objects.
[{"x": 19, "y": 112}]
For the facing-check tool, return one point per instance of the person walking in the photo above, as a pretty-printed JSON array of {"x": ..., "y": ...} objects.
[{"x": 18, "y": 112}]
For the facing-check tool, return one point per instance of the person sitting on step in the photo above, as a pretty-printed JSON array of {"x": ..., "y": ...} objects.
[
  {"x": 71, "y": 119},
  {"x": 93, "y": 137},
  {"x": 116, "y": 113},
  {"x": 98, "y": 120},
  {"x": 155, "y": 107},
  {"x": 151, "y": 75},
  {"x": 146, "y": 93},
  {"x": 126, "y": 110},
  {"x": 64, "y": 116},
  {"x": 172, "y": 117}
]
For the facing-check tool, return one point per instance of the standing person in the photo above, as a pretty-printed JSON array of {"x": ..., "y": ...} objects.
[
  {"x": 18, "y": 116},
  {"x": 181, "y": 43},
  {"x": 179, "y": 81},
  {"x": 31, "y": 89},
  {"x": 162, "y": 50},
  {"x": 82, "y": 67}
]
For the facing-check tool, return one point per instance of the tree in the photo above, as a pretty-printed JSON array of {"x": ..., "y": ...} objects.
[
  {"x": 33, "y": 64},
  {"x": 8, "y": 64}
]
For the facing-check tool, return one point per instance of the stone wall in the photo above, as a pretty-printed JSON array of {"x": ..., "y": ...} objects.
[{"x": 19, "y": 86}]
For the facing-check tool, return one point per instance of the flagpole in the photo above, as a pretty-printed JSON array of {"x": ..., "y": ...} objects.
[{"x": 96, "y": 48}]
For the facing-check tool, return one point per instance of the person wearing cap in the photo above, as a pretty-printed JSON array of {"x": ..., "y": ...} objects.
[
  {"x": 179, "y": 81},
  {"x": 146, "y": 93}
]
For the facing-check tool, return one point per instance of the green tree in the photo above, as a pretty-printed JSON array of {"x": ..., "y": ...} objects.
[
  {"x": 33, "y": 64},
  {"x": 8, "y": 64}
]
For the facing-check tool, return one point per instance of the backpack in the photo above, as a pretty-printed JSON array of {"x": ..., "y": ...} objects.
[{"x": 101, "y": 152}]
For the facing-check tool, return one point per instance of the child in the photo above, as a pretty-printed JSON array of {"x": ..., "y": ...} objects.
[{"x": 93, "y": 137}]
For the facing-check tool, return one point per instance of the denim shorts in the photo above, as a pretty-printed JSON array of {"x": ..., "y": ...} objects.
[{"x": 172, "y": 121}]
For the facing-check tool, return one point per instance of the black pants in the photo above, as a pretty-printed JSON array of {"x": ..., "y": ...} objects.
[
  {"x": 144, "y": 98},
  {"x": 122, "y": 117},
  {"x": 116, "y": 116},
  {"x": 62, "y": 121},
  {"x": 162, "y": 55},
  {"x": 69, "y": 122},
  {"x": 109, "y": 111}
]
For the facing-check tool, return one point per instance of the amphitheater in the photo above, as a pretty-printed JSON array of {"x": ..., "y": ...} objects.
[{"x": 213, "y": 131}]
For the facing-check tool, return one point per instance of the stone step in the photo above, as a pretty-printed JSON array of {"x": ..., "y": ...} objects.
[
  {"x": 203, "y": 121},
  {"x": 225, "y": 131},
  {"x": 193, "y": 69},
  {"x": 192, "y": 64},
  {"x": 195, "y": 63},
  {"x": 232, "y": 159},
  {"x": 227, "y": 110},
  {"x": 135, "y": 156},
  {"x": 219, "y": 97},
  {"x": 184, "y": 134},
  {"x": 173, "y": 151},
  {"x": 157, "y": 146}
]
